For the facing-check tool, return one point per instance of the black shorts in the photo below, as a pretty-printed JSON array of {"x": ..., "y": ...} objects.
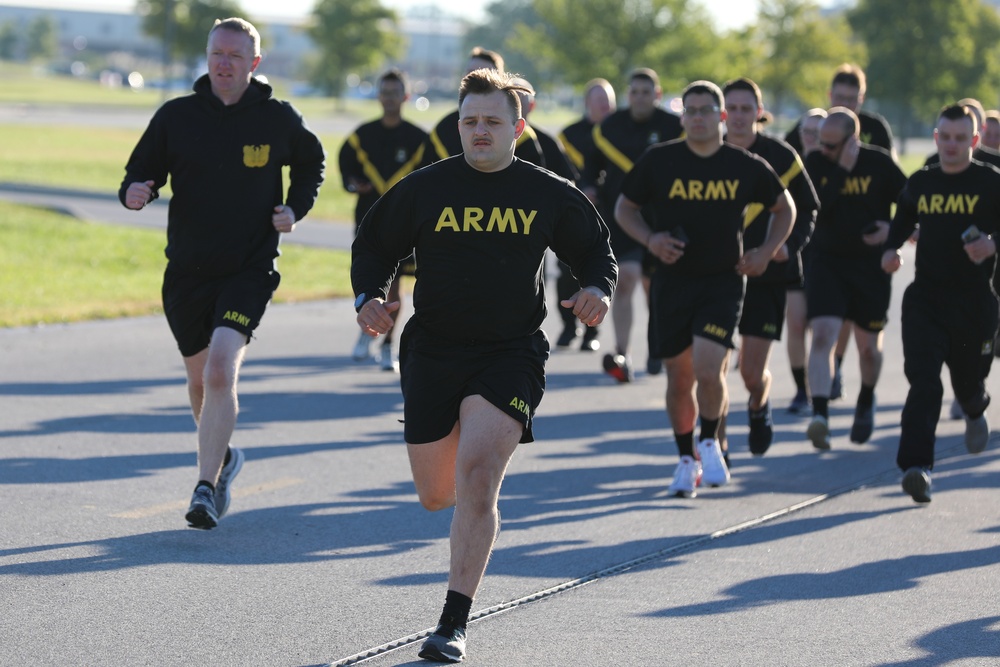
[
  {"x": 848, "y": 288},
  {"x": 763, "y": 310},
  {"x": 436, "y": 374},
  {"x": 195, "y": 305},
  {"x": 682, "y": 307}
]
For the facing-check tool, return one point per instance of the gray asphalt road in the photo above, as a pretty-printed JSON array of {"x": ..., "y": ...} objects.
[{"x": 326, "y": 557}]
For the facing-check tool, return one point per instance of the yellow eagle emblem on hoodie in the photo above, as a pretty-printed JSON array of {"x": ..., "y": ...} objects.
[{"x": 256, "y": 156}]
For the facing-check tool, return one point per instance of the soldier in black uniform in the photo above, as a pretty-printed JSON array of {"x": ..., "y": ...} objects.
[
  {"x": 950, "y": 309},
  {"x": 796, "y": 321},
  {"x": 375, "y": 157},
  {"x": 223, "y": 149},
  {"x": 857, "y": 186},
  {"x": 473, "y": 354},
  {"x": 578, "y": 142},
  {"x": 444, "y": 140},
  {"x": 763, "y": 314},
  {"x": 684, "y": 201},
  {"x": 848, "y": 90},
  {"x": 620, "y": 139}
]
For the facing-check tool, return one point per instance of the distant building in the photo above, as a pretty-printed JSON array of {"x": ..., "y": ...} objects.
[{"x": 433, "y": 58}]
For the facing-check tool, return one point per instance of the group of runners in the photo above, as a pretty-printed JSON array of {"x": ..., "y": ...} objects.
[{"x": 723, "y": 229}]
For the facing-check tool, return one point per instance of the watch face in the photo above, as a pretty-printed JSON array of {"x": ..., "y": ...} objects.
[{"x": 360, "y": 301}]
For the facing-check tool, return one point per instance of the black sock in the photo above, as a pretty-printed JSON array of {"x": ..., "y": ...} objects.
[
  {"x": 202, "y": 482},
  {"x": 866, "y": 396},
  {"x": 685, "y": 443},
  {"x": 821, "y": 406},
  {"x": 799, "y": 375},
  {"x": 456, "y": 611},
  {"x": 709, "y": 428},
  {"x": 838, "y": 361},
  {"x": 229, "y": 455}
]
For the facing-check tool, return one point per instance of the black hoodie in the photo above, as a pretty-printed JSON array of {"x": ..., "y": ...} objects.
[{"x": 224, "y": 164}]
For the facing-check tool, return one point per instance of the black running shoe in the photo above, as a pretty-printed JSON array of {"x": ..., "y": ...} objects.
[
  {"x": 590, "y": 342},
  {"x": 761, "y": 429},
  {"x": 837, "y": 386},
  {"x": 619, "y": 367},
  {"x": 917, "y": 483},
  {"x": 566, "y": 337},
  {"x": 864, "y": 423},
  {"x": 202, "y": 513},
  {"x": 799, "y": 404},
  {"x": 445, "y": 645}
]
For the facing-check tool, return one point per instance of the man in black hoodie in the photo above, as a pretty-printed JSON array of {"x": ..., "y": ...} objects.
[{"x": 223, "y": 149}]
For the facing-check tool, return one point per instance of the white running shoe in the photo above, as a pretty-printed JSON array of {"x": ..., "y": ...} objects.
[
  {"x": 687, "y": 477},
  {"x": 955, "y": 411},
  {"x": 363, "y": 348},
  {"x": 819, "y": 432},
  {"x": 387, "y": 361},
  {"x": 715, "y": 471}
]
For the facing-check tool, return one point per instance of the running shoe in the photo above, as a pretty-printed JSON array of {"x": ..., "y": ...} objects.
[
  {"x": 687, "y": 477},
  {"x": 715, "y": 472},
  {"x": 819, "y": 432},
  {"x": 917, "y": 483},
  {"x": 837, "y": 386},
  {"x": 864, "y": 423},
  {"x": 956, "y": 412},
  {"x": 387, "y": 361},
  {"x": 363, "y": 348},
  {"x": 799, "y": 404},
  {"x": 201, "y": 513},
  {"x": 590, "y": 342},
  {"x": 566, "y": 337},
  {"x": 619, "y": 367},
  {"x": 761, "y": 429},
  {"x": 445, "y": 645},
  {"x": 654, "y": 366},
  {"x": 226, "y": 477},
  {"x": 977, "y": 434}
]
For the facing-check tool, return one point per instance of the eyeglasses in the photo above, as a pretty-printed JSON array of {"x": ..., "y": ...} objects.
[{"x": 701, "y": 111}]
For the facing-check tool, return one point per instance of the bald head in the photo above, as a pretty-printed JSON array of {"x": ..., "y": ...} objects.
[{"x": 598, "y": 100}]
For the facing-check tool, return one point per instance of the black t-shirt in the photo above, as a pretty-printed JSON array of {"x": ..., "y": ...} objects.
[
  {"x": 444, "y": 140},
  {"x": 787, "y": 164},
  {"x": 578, "y": 143},
  {"x": 480, "y": 241},
  {"x": 981, "y": 154},
  {"x": 875, "y": 130},
  {"x": 381, "y": 156},
  {"x": 850, "y": 202},
  {"x": 706, "y": 196},
  {"x": 619, "y": 141},
  {"x": 945, "y": 205}
]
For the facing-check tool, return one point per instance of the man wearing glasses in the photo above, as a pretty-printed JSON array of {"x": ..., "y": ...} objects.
[
  {"x": 684, "y": 201},
  {"x": 857, "y": 186}
]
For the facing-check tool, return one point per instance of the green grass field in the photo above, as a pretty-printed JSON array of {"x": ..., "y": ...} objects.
[{"x": 59, "y": 269}]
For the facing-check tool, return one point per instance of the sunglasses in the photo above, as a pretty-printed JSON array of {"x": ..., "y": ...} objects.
[{"x": 831, "y": 147}]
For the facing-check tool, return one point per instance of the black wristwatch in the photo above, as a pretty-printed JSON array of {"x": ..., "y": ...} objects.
[{"x": 362, "y": 299}]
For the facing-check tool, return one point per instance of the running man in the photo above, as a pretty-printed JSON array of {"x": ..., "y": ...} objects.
[
  {"x": 857, "y": 186},
  {"x": 950, "y": 309},
  {"x": 375, "y": 157},
  {"x": 694, "y": 191},
  {"x": 223, "y": 149},
  {"x": 472, "y": 358}
]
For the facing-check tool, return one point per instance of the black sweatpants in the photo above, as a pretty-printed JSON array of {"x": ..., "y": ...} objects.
[{"x": 942, "y": 327}]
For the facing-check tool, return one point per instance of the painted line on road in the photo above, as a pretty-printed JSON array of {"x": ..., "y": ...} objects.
[
  {"x": 181, "y": 505},
  {"x": 874, "y": 480}
]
